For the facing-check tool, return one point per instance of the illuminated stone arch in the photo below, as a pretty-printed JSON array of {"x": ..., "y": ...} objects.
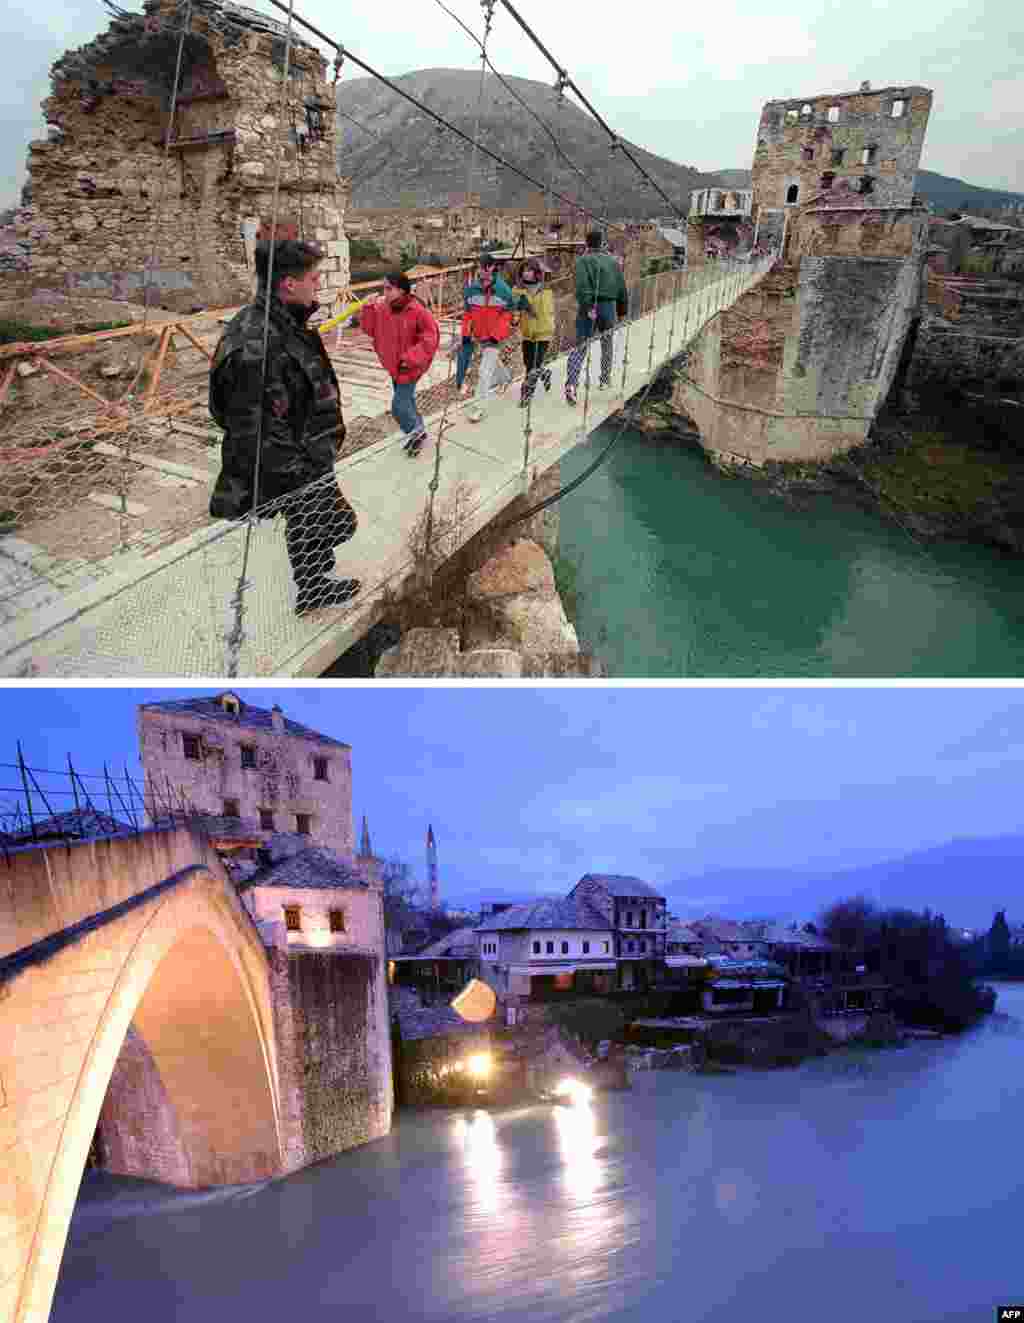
[{"x": 187, "y": 971}]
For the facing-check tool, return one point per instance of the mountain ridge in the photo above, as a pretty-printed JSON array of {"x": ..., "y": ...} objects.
[{"x": 420, "y": 165}]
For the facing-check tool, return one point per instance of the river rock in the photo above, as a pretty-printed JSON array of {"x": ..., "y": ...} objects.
[
  {"x": 520, "y": 568},
  {"x": 421, "y": 653}
]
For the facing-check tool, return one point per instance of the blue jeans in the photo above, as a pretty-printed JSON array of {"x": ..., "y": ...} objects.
[
  {"x": 585, "y": 332},
  {"x": 464, "y": 360},
  {"x": 403, "y": 407}
]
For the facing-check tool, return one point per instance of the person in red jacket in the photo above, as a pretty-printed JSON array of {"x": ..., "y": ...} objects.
[{"x": 405, "y": 336}]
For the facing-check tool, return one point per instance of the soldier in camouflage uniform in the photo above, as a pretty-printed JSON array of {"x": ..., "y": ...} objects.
[{"x": 288, "y": 411}]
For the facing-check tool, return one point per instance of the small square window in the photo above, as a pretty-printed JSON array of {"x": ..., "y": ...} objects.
[
  {"x": 550, "y": 947},
  {"x": 192, "y": 746},
  {"x": 248, "y": 755},
  {"x": 833, "y": 114},
  {"x": 868, "y": 155},
  {"x": 565, "y": 948},
  {"x": 266, "y": 820},
  {"x": 231, "y": 808},
  {"x": 319, "y": 769},
  {"x": 302, "y": 824},
  {"x": 805, "y": 110},
  {"x": 337, "y": 921},
  {"x": 536, "y": 948},
  {"x": 606, "y": 948},
  {"x": 293, "y": 918},
  {"x": 586, "y": 948},
  {"x": 643, "y": 947}
]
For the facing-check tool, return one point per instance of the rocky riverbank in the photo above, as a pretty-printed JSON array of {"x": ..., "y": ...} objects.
[{"x": 947, "y": 466}]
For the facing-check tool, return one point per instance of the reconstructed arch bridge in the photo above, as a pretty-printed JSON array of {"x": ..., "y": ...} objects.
[{"x": 96, "y": 936}]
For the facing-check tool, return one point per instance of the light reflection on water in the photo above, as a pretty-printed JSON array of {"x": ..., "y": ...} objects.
[{"x": 855, "y": 1180}]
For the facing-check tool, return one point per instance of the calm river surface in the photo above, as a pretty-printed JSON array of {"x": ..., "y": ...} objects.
[
  {"x": 684, "y": 572},
  {"x": 872, "y": 1186}
]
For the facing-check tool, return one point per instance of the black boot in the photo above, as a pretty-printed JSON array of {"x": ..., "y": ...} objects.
[{"x": 317, "y": 593}]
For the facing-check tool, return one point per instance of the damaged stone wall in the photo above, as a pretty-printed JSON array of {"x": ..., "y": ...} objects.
[
  {"x": 116, "y": 212},
  {"x": 815, "y": 146},
  {"x": 798, "y": 368}
]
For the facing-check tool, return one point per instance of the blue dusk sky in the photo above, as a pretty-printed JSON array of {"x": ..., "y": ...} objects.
[{"x": 527, "y": 789}]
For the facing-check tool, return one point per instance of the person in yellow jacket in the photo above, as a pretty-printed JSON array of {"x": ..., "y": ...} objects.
[{"x": 537, "y": 324}]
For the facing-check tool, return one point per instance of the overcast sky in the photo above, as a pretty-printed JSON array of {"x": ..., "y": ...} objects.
[
  {"x": 527, "y": 789},
  {"x": 685, "y": 83}
]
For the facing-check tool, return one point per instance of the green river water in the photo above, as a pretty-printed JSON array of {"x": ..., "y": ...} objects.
[{"x": 682, "y": 571}]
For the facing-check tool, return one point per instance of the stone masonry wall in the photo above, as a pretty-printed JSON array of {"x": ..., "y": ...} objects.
[
  {"x": 363, "y": 915},
  {"x": 139, "y": 1134},
  {"x": 334, "y": 1052},
  {"x": 283, "y": 780},
  {"x": 948, "y": 358},
  {"x": 114, "y": 213},
  {"x": 798, "y": 141}
]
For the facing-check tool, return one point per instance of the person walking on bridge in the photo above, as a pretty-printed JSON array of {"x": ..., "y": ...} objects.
[
  {"x": 537, "y": 304},
  {"x": 601, "y": 297},
  {"x": 405, "y": 336},
  {"x": 488, "y": 281},
  {"x": 282, "y": 420}
]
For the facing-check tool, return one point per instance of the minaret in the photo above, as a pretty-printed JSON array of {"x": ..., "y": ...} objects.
[
  {"x": 435, "y": 894},
  {"x": 365, "y": 852}
]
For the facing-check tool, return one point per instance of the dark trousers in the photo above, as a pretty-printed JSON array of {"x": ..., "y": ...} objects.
[
  {"x": 534, "y": 352},
  {"x": 585, "y": 332},
  {"x": 317, "y": 519}
]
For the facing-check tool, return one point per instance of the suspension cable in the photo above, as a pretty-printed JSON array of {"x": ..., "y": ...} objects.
[
  {"x": 431, "y": 114},
  {"x": 617, "y": 143},
  {"x": 525, "y": 105}
]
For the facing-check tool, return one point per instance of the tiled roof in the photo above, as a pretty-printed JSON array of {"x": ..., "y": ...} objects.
[
  {"x": 316, "y": 866},
  {"x": 249, "y": 717},
  {"x": 616, "y": 884},
  {"x": 548, "y": 912},
  {"x": 461, "y": 942},
  {"x": 80, "y": 823},
  {"x": 681, "y": 932}
]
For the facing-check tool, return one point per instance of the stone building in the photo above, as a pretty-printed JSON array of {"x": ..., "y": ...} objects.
[
  {"x": 120, "y": 209},
  {"x": 225, "y": 757},
  {"x": 545, "y": 949},
  {"x": 637, "y": 914},
  {"x": 798, "y": 368}
]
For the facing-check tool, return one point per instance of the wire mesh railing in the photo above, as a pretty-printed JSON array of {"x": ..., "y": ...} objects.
[
  {"x": 264, "y": 595},
  {"x": 47, "y": 805}
]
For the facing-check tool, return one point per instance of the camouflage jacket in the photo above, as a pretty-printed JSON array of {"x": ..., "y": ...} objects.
[{"x": 297, "y": 399}]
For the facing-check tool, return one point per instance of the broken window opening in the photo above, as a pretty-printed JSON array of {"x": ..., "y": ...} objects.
[
  {"x": 192, "y": 747},
  {"x": 319, "y": 769},
  {"x": 807, "y": 153},
  {"x": 303, "y": 824},
  {"x": 837, "y": 155},
  {"x": 249, "y": 755},
  {"x": 898, "y": 108},
  {"x": 827, "y": 179},
  {"x": 792, "y": 192},
  {"x": 266, "y": 820},
  {"x": 867, "y": 156},
  {"x": 833, "y": 114},
  {"x": 867, "y": 184},
  {"x": 231, "y": 808}
]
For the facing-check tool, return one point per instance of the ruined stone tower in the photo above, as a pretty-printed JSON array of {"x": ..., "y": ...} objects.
[
  {"x": 118, "y": 210},
  {"x": 798, "y": 368}
]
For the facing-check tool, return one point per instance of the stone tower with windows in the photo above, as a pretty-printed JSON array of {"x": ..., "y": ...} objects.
[{"x": 231, "y": 759}]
